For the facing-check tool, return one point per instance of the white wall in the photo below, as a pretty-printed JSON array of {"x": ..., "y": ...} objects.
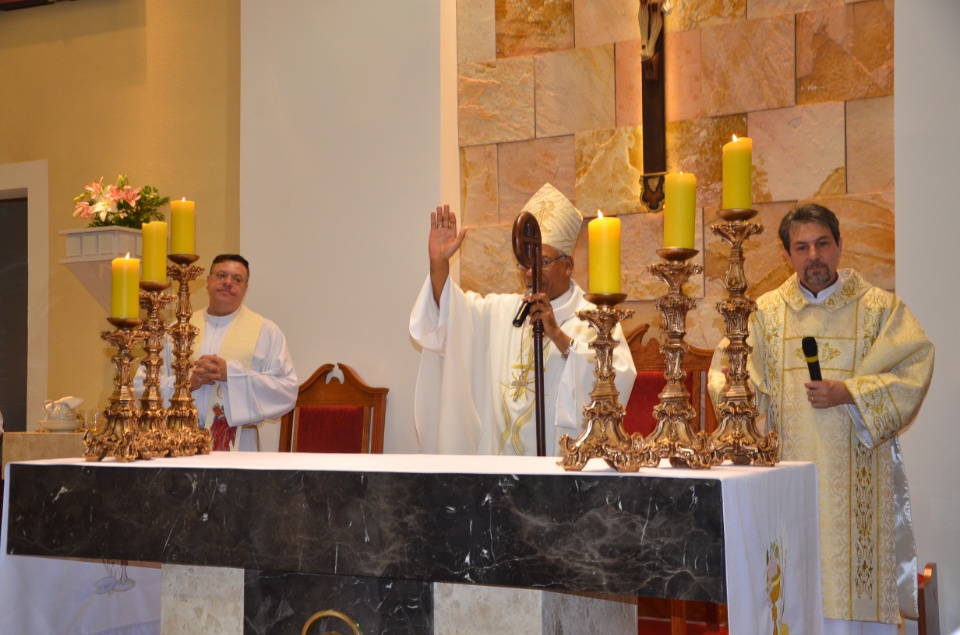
[
  {"x": 340, "y": 167},
  {"x": 928, "y": 261}
]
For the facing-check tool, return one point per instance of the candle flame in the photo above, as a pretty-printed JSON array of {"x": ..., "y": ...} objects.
[
  {"x": 599, "y": 214},
  {"x": 734, "y": 137},
  {"x": 184, "y": 199},
  {"x": 128, "y": 255}
]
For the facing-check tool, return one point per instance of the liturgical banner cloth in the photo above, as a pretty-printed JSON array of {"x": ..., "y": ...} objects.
[{"x": 769, "y": 543}]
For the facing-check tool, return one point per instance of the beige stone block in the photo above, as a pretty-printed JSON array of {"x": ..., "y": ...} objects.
[
  {"x": 867, "y": 232},
  {"x": 605, "y": 22},
  {"x": 609, "y": 166},
  {"x": 575, "y": 91},
  {"x": 697, "y": 146},
  {"x": 798, "y": 152},
  {"x": 748, "y": 65},
  {"x": 767, "y": 8},
  {"x": 682, "y": 68},
  {"x": 528, "y": 27},
  {"x": 479, "y": 202},
  {"x": 845, "y": 52},
  {"x": 476, "y": 31},
  {"x": 524, "y": 167},
  {"x": 496, "y": 101},
  {"x": 764, "y": 265},
  {"x": 629, "y": 83},
  {"x": 687, "y": 15},
  {"x": 870, "y": 164},
  {"x": 201, "y": 600},
  {"x": 487, "y": 263}
]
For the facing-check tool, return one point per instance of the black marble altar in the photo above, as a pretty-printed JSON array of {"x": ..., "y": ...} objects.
[{"x": 650, "y": 535}]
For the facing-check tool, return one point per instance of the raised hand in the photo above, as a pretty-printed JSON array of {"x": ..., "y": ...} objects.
[
  {"x": 444, "y": 238},
  {"x": 444, "y": 241}
]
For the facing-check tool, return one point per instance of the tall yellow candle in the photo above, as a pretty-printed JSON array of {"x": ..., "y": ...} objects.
[
  {"x": 125, "y": 297},
  {"x": 679, "y": 210},
  {"x": 155, "y": 251},
  {"x": 604, "y": 247},
  {"x": 737, "y": 173},
  {"x": 181, "y": 227}
]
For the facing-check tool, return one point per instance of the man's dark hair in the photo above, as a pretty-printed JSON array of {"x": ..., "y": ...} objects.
[
  {"x": 809, "y": 213},
  {"x": 234, "y": 258}
]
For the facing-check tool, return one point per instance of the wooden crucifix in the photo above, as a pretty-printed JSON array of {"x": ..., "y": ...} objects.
[{"x": 654, "y": 103}]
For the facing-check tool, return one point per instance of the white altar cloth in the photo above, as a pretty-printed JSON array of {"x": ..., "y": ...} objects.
[{"x": 769, "y": 518}]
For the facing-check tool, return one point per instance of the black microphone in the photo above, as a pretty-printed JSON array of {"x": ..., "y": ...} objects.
[
  {"x": 813, "y": 360},
  {"x": 522, "y": 311}
]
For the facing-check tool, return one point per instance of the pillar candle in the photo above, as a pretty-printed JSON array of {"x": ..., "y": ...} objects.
[
  {"x": 181, "y": 227},
  {"x": 604, "y": 248},
  {"x": 679, "y": 210},
  {"x": 125, "y": 299},
  {"x": 155, "y": 251},
  {"x": 737, "y": 169}
]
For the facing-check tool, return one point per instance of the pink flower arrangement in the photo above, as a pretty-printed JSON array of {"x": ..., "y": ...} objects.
[{"x": 119, "y": 204}]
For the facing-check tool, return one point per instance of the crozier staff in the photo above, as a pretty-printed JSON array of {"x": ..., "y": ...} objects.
[{"x": 476, "y": 379}]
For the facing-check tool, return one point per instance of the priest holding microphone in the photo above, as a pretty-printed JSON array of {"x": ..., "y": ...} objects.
[
  {"x": 475, "y": 388},
  {"x": 840, "y": 368}
]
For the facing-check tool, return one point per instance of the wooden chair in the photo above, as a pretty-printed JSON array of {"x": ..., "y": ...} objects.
[
  {"x": 335, "y": 412},
  {"x": 651, "y": 366},
  {"x": 929, "y": 601}
]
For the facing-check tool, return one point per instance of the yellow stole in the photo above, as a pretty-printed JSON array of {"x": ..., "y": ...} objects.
[{"x": 238, "y": 345}]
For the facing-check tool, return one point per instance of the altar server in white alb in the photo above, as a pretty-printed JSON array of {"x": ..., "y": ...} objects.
[
  {"x": 876, "y": 364},
  {"x": 243, "y": 375},
  {"x": 475, "y": 389}
]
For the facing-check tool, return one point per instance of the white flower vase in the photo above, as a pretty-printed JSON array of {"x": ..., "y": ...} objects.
[{"x": 89, "y": 253}]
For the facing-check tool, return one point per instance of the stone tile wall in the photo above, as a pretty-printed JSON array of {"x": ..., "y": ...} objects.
[{"x": 549, "y": 91}]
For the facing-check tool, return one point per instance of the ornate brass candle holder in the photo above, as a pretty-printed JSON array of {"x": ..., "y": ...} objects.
[
  {"x": 737, "y": 437},
  {"x": 120, "y": 434},
  {"x": 603, "y": 436},
  {"x": 153, "y": 416},
  {"x": 186, "y": 436},
  {"x": 674, "y": 437}
]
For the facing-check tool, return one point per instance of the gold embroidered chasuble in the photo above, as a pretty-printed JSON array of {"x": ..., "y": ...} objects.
[{"x": 871, "y": 341}]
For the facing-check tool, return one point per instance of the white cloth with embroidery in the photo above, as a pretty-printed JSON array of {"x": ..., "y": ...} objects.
[
  {"x": 474, "y": 363},
  {"x": 868, "y": 339}
]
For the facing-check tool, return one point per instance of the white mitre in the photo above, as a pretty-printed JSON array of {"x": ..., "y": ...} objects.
[{"x": 559, "y": 220}]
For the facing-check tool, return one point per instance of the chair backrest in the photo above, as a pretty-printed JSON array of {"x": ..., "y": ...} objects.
[
  {"x": 335, "y": 415},
  {"x": 651, "y": 365}
]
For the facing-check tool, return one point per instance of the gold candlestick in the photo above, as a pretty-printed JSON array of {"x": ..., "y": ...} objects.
[
  {"x": 737, "y": 437},
  {"x": 603, "y": 436},
  {"x": 674, "y": 437},
  {"x": 153, "y": 416},
  {"x": 182, "y": 418},
  {"x": 120, "y": 436}
]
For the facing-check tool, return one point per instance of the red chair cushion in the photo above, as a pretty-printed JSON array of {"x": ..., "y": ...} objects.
[
  {"x": 337, "y": 429},
  {"x": 644, "y": 397}
]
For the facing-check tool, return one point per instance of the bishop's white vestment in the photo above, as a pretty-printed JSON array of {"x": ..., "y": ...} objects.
[
  {"x": 870, "y": 340},
  {"x": 475, "y": 388}
]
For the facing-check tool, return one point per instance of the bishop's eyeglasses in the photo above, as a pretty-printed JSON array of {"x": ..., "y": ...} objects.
[{"x": 544, "y": 263}]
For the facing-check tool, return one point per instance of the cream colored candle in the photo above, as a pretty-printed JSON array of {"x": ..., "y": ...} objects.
[
  {"x": 125, "y": 297},
  {"x": 181, "y": 227},
  {"x": 679, "y": 210},
  {"x": 737, "y": 173},
  {"x": 604, "y": 248},
  {"x": 155, "y": 251}
]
